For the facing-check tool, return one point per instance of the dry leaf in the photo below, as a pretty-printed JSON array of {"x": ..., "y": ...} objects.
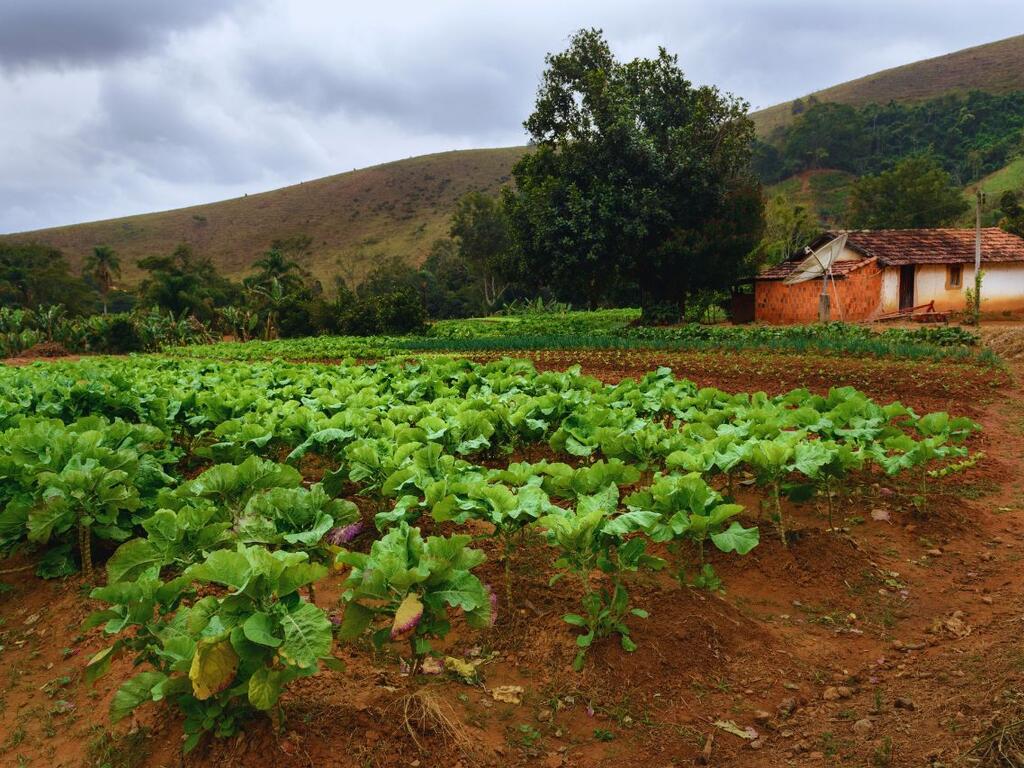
[
  {"x": 509, "y": 694},
  {"x": 729, "y": 726}
]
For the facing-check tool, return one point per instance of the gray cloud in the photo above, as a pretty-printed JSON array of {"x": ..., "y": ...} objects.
[
  {"x": 70, "y": 32},
  {"x": 114, "y": 107}
]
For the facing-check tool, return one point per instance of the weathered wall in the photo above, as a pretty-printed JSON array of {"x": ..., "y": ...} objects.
[
  {"x": 930, "y": 285},
  {"x": 854, "y": 297},
  {"x": 1002, "y": 289},
  {"x": 1002, "y": 286},
  {"x": 890, "y": 300}
]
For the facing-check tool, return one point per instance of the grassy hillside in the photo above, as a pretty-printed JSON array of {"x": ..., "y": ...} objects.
[
  {"x": 398, "y": 208},
  {"x": 994, "y": 67}
]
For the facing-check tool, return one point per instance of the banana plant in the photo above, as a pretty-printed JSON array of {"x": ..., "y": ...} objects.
[
  {"x": 688, "y": 509},
  {"x": 412, "y": 583},
  {"x": 588, "y": 537}
]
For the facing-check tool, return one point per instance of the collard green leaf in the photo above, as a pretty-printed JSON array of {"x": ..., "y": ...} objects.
[
  {"x": 307, "y": 635},
  {"x": 133, "y": 692}
]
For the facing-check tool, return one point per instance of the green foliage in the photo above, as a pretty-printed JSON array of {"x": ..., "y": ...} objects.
[
  {"x": 688, "y": 509},
  {"x": 219, "y": 658},
  {"x": 480, "y": 227},
  {"x": 118, "y": 333},
  {"x": 185, "y": 284},
  {"x": 969, "y": 135},
  {"x": 638, "y": 178},
  {"x": 1013, "y": 213},
  {"x": 32, "y": 274},
  {"x": 788, "y": 228},
  {"x": 917, "y": 192},
  {"x": 103, "y": 265},
  {"x": 413, "y": 582}
]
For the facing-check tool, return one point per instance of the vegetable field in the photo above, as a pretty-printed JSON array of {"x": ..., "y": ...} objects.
[{"x": 489, "y": 560}]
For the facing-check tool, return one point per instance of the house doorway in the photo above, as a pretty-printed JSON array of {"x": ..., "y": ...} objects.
[{"x": 906, "y": 286}]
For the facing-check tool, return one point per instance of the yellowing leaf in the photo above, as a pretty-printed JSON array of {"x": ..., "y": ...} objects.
[
  {"x": 509, "y": 694},
  {"x": 464, "y": 669},
  {"x": 408, "y": 615},
  {"x": 213, "y": 668},
  {"x": 730, "y": 727}
]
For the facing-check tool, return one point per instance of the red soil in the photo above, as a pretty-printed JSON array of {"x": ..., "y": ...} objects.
[{"x": 844, "y": 648}]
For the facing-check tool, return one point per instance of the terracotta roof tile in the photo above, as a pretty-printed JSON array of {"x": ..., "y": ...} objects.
[
  {"x": 839, "y": 270},
  {"x": 894, "y": 247}
]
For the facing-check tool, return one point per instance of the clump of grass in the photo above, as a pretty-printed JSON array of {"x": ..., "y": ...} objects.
[{"x": 108, "y": 750}]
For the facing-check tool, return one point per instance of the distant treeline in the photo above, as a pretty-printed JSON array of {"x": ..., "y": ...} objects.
[{"x": 969, "y": 135}]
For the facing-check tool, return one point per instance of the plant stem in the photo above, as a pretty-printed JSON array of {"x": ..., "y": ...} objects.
[
  {"x": 828, "y": 493},
  {"x": 778, "y": 513},
  {"x": 85, "y": 551},
  {"x": 312, "y": 593}
]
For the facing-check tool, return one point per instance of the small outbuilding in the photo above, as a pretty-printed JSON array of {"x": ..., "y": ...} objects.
[{"x": 881, "y": 272}]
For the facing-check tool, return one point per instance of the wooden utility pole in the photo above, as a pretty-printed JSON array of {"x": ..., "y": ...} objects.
[{"x": 979, "y": 199}]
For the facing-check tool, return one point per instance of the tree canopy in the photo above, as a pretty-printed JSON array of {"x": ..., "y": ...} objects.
[
  {"x": 916, "y": 193},
  {"x": 183, "y": 282},
  {"x": 637, "y": 177},
  {"x": 32, "y": 274}
]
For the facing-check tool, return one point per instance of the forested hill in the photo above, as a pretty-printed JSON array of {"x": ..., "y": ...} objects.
[
  {"x": 970, "y": 135},
  {"x": 994, "y": 68}
]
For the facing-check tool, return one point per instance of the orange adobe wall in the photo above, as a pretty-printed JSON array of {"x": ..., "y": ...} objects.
[{"x": 857, "y": 295}]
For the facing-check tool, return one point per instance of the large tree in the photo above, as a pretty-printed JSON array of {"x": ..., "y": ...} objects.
[
  {"x": 787, "y": 228},
  {"x": 32, "y": 274},
  {"x": 917, "y": 192},
  {"x": 634, "y": 173}
]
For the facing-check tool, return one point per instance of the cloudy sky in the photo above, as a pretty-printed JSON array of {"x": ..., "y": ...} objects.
[{"x": 113, "y": 107}]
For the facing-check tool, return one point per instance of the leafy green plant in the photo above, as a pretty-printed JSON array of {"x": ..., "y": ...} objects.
[
  {"x": 771, "y": 462},
  {"x": 688, "y": 509},
  {"x": 173, "y": 538},
  {"x": 88, "y": 496},
  {"x": 413, "y": 582},
  {"x": 591, "y": 537},
  {"x": 222, "y": 657}
]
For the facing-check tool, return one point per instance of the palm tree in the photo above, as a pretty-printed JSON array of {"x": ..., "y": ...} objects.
[
  {"x": 275, "y": 265},
  {"x": 103, "y": 265}
]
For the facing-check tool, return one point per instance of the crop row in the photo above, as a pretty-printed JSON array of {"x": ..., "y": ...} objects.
[{"x": 97, "y": 451}]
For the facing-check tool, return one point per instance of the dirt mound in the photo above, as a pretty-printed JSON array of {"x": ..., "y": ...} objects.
[
  {"x": 1008, "y": 342},
  {"x": 45, "y": 349}
]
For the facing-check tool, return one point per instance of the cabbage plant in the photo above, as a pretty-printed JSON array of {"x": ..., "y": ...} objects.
[
  {"x": 688, "y": 509},
  {"x": 223, "y": 657},
  {"x": 590, "y": 537},
  {"x": 412, "y": 583}
]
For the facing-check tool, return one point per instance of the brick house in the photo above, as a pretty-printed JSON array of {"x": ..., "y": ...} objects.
[{"x": 884, "y": 271}]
